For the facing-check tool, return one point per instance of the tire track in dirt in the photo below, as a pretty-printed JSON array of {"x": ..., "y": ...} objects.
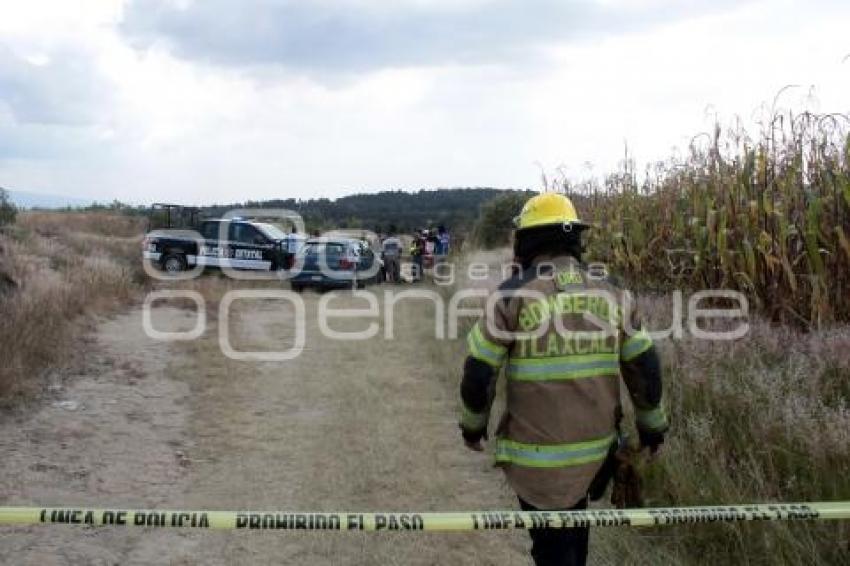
[{"x": 362, "y": 426}]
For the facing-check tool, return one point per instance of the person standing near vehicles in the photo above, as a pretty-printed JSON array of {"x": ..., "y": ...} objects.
[
  {"x": 429, "y": 244},
  {"x": 391, "y": 252},
  {"x": 564, "y": 338},
  {"x": 291, "y": 248},
  {"x": 443, "y": 241},
  {"x": 417, "y": 251}
]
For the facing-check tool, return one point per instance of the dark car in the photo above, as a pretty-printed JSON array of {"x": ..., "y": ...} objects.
[
  {"x": 245, "y": 245},
  {"x": 328, "y": 263}
]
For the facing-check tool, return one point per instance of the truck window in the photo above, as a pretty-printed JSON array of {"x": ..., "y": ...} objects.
[
  {"x": 245, "y": 234},
  {"x": 209, "y": 230},
  {"x": 316, "y": 248}
]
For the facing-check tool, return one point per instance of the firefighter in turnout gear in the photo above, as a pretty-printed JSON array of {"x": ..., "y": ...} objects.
[{"x": 563, "y": 336}]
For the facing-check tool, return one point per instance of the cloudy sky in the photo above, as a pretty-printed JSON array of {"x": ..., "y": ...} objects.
[{"x": 214, "y": 100}]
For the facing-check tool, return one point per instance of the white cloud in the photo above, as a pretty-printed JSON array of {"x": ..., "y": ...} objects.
[
  {"x": 322, "y": 37},
  {"x": 165, "y": 123}
]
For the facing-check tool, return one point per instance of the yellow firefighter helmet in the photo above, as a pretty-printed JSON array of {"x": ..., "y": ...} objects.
[{"x": 548, "y": 209}]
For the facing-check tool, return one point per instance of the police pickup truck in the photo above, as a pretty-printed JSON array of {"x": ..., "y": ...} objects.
[{"x": 235, "y": 243}]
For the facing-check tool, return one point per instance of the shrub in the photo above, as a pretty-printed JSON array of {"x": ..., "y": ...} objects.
[
  {"x": 8, "y": 211},
  {"x": 494, "y": 225}
]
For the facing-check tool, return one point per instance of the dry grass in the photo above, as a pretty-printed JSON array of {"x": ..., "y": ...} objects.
[
  {"x": 64, "y": 265},
  {"x": 96, "y": 223},
  {"x": 764, "y": 418}
]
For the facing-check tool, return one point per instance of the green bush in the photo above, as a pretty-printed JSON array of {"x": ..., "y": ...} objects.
[
  {"x": 8, "y": 211},
  {"x": 495, "y": 224}
]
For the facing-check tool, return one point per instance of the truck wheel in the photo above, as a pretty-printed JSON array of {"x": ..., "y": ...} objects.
[
  {"x": 174, "y": 263},
  {"x": 297, "y": 288}
]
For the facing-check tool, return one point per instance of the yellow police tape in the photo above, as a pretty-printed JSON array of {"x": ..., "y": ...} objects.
[{"x": 472, "y": 521}]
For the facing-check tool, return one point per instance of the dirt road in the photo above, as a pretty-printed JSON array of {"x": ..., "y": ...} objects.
[{"x": 348, "y": 425}]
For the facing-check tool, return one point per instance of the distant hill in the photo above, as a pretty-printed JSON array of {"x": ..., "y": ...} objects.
[
  {"x": 23, "y": 199},
  {"x": 385, "y": 211}
]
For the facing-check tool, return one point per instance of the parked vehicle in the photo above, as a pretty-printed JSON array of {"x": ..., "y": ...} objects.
[
  {"x": 327, "y": 263},
  {"x": 245, "y": 244}
]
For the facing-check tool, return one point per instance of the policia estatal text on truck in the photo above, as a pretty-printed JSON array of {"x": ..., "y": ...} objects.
[{"x": 234, "y": 243}]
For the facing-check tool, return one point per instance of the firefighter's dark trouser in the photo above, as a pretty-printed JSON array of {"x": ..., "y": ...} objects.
[{"x": 559, "y": 547}]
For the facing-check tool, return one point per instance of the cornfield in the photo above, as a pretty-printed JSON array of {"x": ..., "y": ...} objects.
[{"x": 769, "y": 217}]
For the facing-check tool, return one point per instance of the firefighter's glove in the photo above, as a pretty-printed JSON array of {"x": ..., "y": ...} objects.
[
  {"x": 652, "y": 440},
  {"x": 626, "y": 493}
]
